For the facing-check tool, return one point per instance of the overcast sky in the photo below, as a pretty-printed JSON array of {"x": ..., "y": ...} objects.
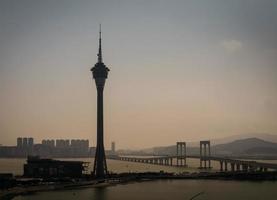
[{"x": 180, "y": 70}]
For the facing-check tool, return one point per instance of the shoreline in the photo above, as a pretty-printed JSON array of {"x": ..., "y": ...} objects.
[{"x": 223, "y": 156}]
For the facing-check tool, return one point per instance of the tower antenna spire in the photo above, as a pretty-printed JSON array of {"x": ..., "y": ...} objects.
[{"x": 100, "y": 58}]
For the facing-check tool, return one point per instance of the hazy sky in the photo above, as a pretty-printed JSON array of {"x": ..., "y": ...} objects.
[{"x": 180, "y": 70}]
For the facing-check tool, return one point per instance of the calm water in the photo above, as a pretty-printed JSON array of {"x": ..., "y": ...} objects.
[
  {"x": 16, "y": 166},
  {"x": 156, "y": 190},
  {"x": 164, "y": 190}
]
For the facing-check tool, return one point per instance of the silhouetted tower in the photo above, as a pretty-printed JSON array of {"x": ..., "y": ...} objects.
[{"x": 100, "y": 74}]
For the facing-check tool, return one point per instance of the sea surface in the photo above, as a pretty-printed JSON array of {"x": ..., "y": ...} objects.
[
  {"x": 15, "y": 166},
  {"x": 154, "y": 190},
  {"x": 168, "y": 190}
]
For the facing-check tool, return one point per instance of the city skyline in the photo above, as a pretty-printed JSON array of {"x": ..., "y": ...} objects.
[{"x": 182, "y": 70}]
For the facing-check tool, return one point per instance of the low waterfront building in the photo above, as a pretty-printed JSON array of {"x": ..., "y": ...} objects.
[
  {"x": 44, "y": 168},
  {"x": 6, "y": 180}
]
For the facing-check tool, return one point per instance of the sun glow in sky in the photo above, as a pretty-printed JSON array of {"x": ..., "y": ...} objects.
[{"x": 180, "y": 70}]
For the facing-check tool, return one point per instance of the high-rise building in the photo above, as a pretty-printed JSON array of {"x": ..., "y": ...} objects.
[
  {"x": 80, "y": 146},
  {"x": 19, "y": 142},
  {"x": 50, "y": 143},
  {"x": 30, "y": 142},
  {"x": 25, "y": 142},
  {"x": 61, "y": 143},
  {"x": 100, "y": 74},
  {"x": 67, "y": 143},
  {"x": 73, "y": 143},
  {"x": 86, "y": 144}
]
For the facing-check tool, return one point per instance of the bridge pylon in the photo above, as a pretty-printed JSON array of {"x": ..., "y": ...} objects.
[
  {"x": 181, "y": 154},
  {"x": 205, "y": 154}
]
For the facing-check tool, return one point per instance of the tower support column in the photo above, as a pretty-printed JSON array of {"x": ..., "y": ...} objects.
[{"x": 100, "y": 74}]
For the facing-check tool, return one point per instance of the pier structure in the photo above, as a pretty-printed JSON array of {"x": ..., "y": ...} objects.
[
  {"x": 244, "y": 166},
  {"x": 181, "y": 153},
  {"x": 205, "y": 154}
]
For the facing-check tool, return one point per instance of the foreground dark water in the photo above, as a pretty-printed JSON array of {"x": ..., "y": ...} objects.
[{"x": 168, "y": 189}]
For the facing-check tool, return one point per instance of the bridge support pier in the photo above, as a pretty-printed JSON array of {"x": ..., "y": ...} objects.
[
  {"x": 252, "y": 168},
  {"x": 221, "y": 165},
  {"x": 238, "y": 167},
  {"x": 232, "y": 167},
  {"x": 225, "y": 166},
  {"x": 263, "y": 169},
  {"x": 244, "y": 167}
]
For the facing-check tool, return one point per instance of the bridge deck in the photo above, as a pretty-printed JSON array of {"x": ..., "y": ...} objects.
[{"x": 219, "y": 159}]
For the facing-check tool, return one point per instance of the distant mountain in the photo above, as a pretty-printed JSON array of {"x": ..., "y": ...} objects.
[
  {"x": 223, "y": 140},
  {"x": 238, "y": 145},
  {"x": 262, "y": 136},
  {"x": 247, "y": 146},
  {"x": 243, "y": 147}
]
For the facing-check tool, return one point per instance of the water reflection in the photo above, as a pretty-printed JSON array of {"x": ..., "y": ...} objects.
[{"x": 99, "y": 193}]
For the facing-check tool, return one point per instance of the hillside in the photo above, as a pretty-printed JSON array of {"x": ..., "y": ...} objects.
[
  {"x": 262, "y": 136},
  {"x": 247, "y": 146},
  {"x": 244, "y": 147}
]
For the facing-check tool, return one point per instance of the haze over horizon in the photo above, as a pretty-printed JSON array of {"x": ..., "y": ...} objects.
[{"x": 180, "y": 70}]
